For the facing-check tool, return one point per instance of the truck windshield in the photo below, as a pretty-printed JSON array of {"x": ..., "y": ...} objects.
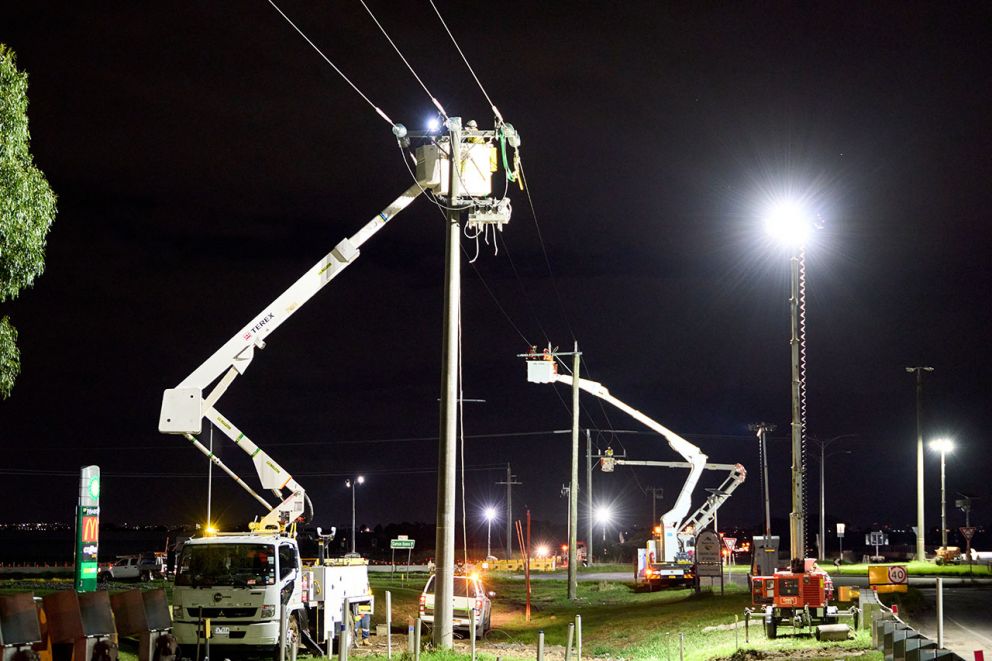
[{"x": 237, "y": 565}]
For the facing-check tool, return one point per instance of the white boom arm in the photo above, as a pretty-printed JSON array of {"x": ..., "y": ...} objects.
[
  {"x": 692, "y": 454},
  {"x": 184, "y": 407}
]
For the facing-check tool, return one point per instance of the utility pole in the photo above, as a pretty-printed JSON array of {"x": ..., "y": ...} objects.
[
  {"x": 921, "y": 552},
  {"x": 762, "y": 429},
  {"x": 445, "y": 535},
  {"x": 589, "y": 494},
  {"x": 573, "y": 491},
  {"x": 511, "y": 480},
  {"x": 656, "y": 494}
]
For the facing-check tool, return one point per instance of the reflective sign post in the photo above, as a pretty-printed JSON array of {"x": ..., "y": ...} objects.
[{"x": 87, "y": 529}]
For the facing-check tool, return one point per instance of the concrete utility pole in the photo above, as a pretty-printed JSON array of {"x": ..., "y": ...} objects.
[
  {"x": 589, "y": 494},
  {"x": 445, "y": 536},
  {"x": 573, "y": 491},
  {"x": 510, "y": 483},
  {"x": 921, "y": 552},
  {"x": 656, "y": 493},
  {"x": 762, "y": 429}
]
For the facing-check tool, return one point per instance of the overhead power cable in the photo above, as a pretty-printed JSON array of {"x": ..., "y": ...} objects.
[
  {"x": 437, "y": 104},
  {"x": 499, "y": 117},
  {"x": 377, "y": 109}
]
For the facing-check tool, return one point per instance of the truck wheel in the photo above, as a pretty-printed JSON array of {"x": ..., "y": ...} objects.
[{"x": 771, "y": 628}]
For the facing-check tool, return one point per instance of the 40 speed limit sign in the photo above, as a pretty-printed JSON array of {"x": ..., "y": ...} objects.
[{"x": 898, "y": 575}]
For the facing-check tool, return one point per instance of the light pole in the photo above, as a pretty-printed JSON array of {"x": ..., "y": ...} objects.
[
  {"x": 603, "y": 516},
  {"x": 791, "y": 226},
  {"x": 822, "y": 545},
  {"x": 761, "y": 429},
  {"x": 943, "y": 446},
  {"x": 921, "y": 552},
  {"x": 490, "y": 515},
  {"x": 352, "y": 484}
]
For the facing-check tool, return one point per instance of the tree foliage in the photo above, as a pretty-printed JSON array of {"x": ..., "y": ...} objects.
[{"x": 27, "y": 208}]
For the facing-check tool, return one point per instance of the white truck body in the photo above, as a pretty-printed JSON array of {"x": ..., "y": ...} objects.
[{"x": 236, "y": 582}]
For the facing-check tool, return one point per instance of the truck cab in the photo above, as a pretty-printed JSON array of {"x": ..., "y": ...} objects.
[{"x": 237, "y": 582}]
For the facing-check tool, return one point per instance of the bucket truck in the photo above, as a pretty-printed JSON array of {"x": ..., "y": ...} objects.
[
  {"x": 249, "y": 588},
  {"x": 667, "y": 557}
]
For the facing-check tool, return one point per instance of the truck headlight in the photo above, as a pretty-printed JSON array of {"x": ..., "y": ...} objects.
[{"x": 268, "y": 610}]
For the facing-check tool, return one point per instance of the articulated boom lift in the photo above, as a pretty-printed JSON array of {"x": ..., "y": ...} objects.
[
  {"x": 185, "y": 406},
  {"x": 674, "y": 522}
]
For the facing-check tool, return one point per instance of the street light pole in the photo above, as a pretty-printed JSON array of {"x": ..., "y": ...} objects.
[
  {"x": 921, "y": 553},
  {"x": 943, "y": 446},
  {"x": 762, "y": 429},
  {"x": 354, "y": 532},
  {"x": 821, "y": 547}
]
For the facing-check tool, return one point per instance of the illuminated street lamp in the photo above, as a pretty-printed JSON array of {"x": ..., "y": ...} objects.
[
  {"x": 603, "y": 517},
  {"x": 490, "y": 513},
  {"x": 943, "y": 446},
  {"x": 789, "y": 224},
  {"x": 352, "y": 484}
]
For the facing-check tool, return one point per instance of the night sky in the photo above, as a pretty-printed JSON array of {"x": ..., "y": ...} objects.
[{"x": 205, "y": 157}]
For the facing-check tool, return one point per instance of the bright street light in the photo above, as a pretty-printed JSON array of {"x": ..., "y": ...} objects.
[
  {"x": 352, "y": 484},
  {"x": 789, "y": 223},
  {"x": 603, "y": 516},
  {"x": 943, "y": 446},
  {"x": 490, "y": 513}
]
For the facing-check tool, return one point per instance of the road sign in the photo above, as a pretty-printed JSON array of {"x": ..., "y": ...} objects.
[
  {"x": 876, "y": 538},
  {"x": 402, "y": 543},
  {"x": 840, "y": 530},
  {"x": 87, "y": 529},
  {"x": 967, "y": 532},
  {"x": 730, "y": 543},
  {"x": 708, "y": 560},
  {"x": 897, "y": 575}
]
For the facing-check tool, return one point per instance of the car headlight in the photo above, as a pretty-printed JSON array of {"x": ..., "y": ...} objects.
[
  {"x": 268, "y": 610},
  {"x": 177, "y": 611}
]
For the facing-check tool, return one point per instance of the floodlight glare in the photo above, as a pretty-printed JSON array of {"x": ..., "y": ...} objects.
[
  {"x": 360, "y": 480},
  {"x": 490, "y": 513},
  {"x": 542, "y": 551},
  {"x": 433, "y": 124},
  {"x": 603, "y": 514},
  {"x": 942, "y": 445},
  {"x": 788, "y": 223}
]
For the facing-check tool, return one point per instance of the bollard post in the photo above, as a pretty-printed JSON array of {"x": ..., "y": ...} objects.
[
  {"x": 409, "y": 638},
  {"x": 416, "y": 640},
  {"x": 389, "y": 624},
  {"x": 282, "y": 630},
  {"x": 940, "y": 613},
  {"x": 568, "y": 644},
  {"x": 471, "y": 631},
  {"x": 737, "y": 642},
  {"x": 681, "y": 646},
  {"x": 344, "y": 641},
  {"x": 578, "y": 638},
  {"x": 540, "y": 646}
]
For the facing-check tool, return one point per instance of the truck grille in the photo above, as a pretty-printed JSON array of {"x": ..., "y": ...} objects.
[
  {"x": 228, "y": 613},
  {"x": 812, "y": 592}
]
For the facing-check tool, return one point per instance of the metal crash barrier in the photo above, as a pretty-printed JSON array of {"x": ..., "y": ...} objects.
[
  {"x": 899, "y": 641},
  {"x": 20, "y": 629},
  {"x": 80, "y": 626},
  {"x": 145, "y": 616}
]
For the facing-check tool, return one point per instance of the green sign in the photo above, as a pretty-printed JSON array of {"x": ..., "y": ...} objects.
[
  {"x": 402, "y": 543},
  {"x": 87, "y": 529}
]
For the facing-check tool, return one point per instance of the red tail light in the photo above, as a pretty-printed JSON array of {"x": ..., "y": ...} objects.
[{"x": 423, "y": 602}]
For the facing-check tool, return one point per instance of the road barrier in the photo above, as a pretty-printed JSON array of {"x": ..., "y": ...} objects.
[{"x": 898, "y": 640}]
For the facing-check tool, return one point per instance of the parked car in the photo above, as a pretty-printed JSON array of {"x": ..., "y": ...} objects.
[
  {"x": 469, "y": 593},
  {"x": 144, "y": 567}
]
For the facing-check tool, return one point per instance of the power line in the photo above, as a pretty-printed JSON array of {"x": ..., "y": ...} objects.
[
  {"x": 333, "y": 66},
  {"x": 499, "y": 117},
  {"x": 437, "y": 104}
]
